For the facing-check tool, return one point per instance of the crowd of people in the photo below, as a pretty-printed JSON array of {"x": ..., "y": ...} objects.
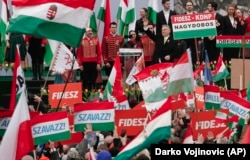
[{"x": 158, "y": 45}]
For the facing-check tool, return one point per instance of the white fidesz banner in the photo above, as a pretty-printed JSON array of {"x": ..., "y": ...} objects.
[
  {"x": 194, "y": 25},
  {"x": 50, "y": 127},
  {"x": 100, "y": 115}
]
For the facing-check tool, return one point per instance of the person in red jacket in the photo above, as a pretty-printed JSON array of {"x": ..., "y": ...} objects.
[
  {"x": 111, "y": 47},
  {"x": 89, "y": 58}
]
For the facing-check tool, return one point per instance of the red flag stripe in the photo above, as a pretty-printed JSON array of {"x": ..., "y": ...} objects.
[{"x": 70, "y": 3}]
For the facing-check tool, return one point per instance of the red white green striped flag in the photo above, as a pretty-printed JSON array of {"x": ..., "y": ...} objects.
[
  {"x": 188, "y": 139},
  {"x": 236, "y": 105},
  {"x": 104, "y": 15},
  {"x": 220, "y": 71},
  {"x": 158, "y": 129},
  {"x": 126, "y": 16},
  {"x": 62, "y": 20},
  {"x": 153, "y": 82},
  {"x": 153, "y": 9},
  {"x": 5, "y": 117},
  {"x": 18, "y": 81},
  {"x": 93, "y": 24},
  {"x": 17, "y": 140},
  {"x": 212, "y": 97},
  {"x": 181, "y": 77},
  {"x": 3, "y": 24},
  {"x": 101, "y": 115},
  {"x": 114, "y": 86},
  {"x": 52, "y": 126}
]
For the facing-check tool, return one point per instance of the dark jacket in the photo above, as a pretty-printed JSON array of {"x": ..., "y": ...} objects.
[
  {"x": 161, "y": 50},
  {"x": 161, "y": 21}
]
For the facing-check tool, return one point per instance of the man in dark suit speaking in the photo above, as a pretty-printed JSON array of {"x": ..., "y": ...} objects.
[
  {"x": 166, "y": 48},
  {"x": 164, "y": 17}
]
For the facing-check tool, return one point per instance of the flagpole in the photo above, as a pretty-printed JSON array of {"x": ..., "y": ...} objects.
[
  {"x": 124, "y": 30},
  {"x": 34, "y": 154},
  {"x": 196, "y": 48},
  {"x": 196, "y": 110},
  {"x": 98, "y": 26},
  {"x": 243, "y": 55},
  {"x": 225, "y": 81}
]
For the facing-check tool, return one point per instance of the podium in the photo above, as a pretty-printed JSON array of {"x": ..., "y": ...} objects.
[{"x": 129, "y": 57}]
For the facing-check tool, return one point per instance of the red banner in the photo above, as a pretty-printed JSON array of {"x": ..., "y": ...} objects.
[
  {"x": 71, "y": 95},
  {"x": 204, "y": 122},
  {"x": 130, "y": 120}
]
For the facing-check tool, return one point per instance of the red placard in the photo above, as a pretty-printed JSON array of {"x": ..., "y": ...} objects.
[
  {"x": 204, "y": 122},
  {"x": 71, "y": 95},
  {"x": 199, "y": 97},
  {"x": 132, "y": 121}
]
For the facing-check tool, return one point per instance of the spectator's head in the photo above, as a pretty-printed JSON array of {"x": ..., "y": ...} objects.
[
  {"x": 212, "y": 6},
  {"x": 231, "y": 9},
  {"x": 165, "y": 30},
  {"x": 102, "y": 147},
  {"x": 132, "y": 35},
  {"x": 114, "y": 151},
  {"x": 143, "y": 12},
  {"x": 142, "y": 157},
  {"x": 113, "y": 27},
  {"x": 73, "y": 154},
  {"x": 166, "y": 4},
  {"x": 27, "y": 157},
  {"x": 89, "y": 32},
  {"x": 189, "y": 6},
  {"x": 104, "y": 155}
]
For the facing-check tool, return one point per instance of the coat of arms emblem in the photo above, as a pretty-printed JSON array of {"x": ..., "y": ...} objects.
[{"x": 52, "y": 12}]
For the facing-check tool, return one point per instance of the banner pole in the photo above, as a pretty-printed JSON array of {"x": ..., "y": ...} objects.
[{"x": 243, "y": 56}]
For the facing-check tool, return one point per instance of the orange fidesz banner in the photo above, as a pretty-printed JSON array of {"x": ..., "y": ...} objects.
[
  {"x": 71, "y": 95},
  {"x": 205, "y": 121},
  {"x": 133, "y": 121}
]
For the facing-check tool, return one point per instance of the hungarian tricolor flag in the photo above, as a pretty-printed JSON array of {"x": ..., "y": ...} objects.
[
  {"x": 220, "y": 71},
  {"x": 50, "y": 127},
  {"x": 153, "y": 82},
  {"x": 17, "y": 140},
  {"x": 181, "y": 77},
  {"x": 188, "y": 139},
  {"x": 212, "y": 97},
  {"x": 18, "y": 80},
  {"x": 62, "y": 20},
  {"x": 236, "y": 105},
  {"x": 3, "y": 24},
  {"x": 158, "y": 129},
  {"x": 5, "y": 117},
  {"x": 101, "y": 115},
  {"x": 153, "y": 9},
  {"x": 114, "y": 86},
  {"x": 104, "y": 15},
  {"x": 126, "y": 16}
]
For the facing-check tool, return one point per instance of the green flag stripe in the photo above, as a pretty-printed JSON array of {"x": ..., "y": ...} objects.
[
  {"x": 130, "y": 16},
  {"x": 101, "y": 14},
  {"x": 96, "y": 126},
  {"x": 2, "y": 131},
  {"x": 194, "y": 33},
  {"x": 156, "y": 136},
  {"x": 52, "y": 137},
  {"x": 210, "y": 106},
  {"x": 51, "y": 28}
]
